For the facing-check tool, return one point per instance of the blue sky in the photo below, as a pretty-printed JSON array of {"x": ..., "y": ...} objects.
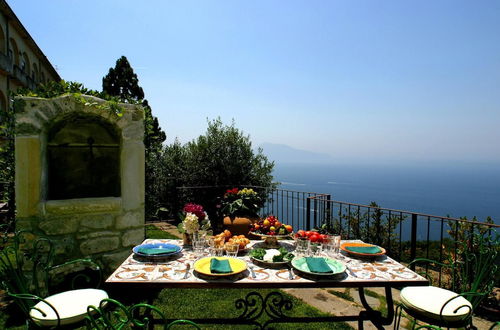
[{"x": 373, "y": 80}]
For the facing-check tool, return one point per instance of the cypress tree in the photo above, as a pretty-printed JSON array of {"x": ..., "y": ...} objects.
[{"x": 122, "y": 82}]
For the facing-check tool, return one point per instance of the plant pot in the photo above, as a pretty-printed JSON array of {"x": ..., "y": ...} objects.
[{"x": 239, "y": 225}]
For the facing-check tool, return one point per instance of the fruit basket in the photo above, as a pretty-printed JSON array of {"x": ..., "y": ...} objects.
[{"x": 271, "y": 230}]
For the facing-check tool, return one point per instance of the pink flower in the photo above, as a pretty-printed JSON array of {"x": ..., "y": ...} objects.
[{"x": 195, "y": 209}]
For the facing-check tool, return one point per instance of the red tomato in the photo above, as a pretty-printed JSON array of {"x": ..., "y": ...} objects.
[
  {"x": 309, "y": 233},
  {"x": 301, "y": 233},
  {"x": 314, "y": 237}
]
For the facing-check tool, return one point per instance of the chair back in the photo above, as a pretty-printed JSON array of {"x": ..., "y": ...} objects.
[
  {"x": 112, "y": 314},
  {"x": 27, "y": 270},
  {"x": 25, "y": 262}
]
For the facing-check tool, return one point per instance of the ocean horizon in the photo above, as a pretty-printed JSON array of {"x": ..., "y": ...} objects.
[{"x": 441, "y": 190}]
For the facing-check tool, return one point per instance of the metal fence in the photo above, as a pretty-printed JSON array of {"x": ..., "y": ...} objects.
[{"x": 405, "y": 235}]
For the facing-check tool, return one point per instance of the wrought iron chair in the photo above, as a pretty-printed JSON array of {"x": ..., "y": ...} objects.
[
  {"x": 441, "y": 307},
  {"x": 30, "y": 279},
  {"x": 110, "y": 314},
  {"x": 473, "y": 267}
]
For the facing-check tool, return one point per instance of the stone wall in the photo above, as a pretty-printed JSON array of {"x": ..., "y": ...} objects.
[{"x": 104, "y": 228}]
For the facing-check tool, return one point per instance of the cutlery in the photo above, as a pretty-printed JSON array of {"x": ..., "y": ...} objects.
[
  {"x": 252, "y": 272},
  {"x": 351, "y": 272},
  {"x": 290, "y": 274},
  {"x": 188, "y": 267}
]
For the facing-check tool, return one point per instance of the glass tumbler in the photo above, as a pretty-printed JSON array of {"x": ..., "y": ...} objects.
[
  {"x": 232, "y": 250},
  {"x": 302, "y": 245},
  {"x": 199, "y": 246},
  {"x": 218, "y": 251},
  {"x": 336, "y": 244}
]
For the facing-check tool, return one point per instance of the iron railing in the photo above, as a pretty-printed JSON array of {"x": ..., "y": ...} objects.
[
  {"x": 405, "y": 235},
  {"x": 293, "y": 207}
]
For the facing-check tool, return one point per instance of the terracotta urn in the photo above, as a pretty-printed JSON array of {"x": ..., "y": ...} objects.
[{"x": 240, "y": 224}]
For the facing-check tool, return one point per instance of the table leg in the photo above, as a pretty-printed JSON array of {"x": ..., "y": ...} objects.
[
  {"x": 273, "y": 308},
  {"x": 375, "y": 316}
]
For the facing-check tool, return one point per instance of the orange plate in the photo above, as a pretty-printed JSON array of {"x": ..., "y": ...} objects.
[{"x": 342, "y": 247}]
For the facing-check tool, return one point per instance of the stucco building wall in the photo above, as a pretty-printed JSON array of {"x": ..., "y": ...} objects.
[{"x": 22, "y": 62}]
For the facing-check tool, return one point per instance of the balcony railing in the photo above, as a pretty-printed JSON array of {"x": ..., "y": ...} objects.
[{"x": 405, "y": 235}]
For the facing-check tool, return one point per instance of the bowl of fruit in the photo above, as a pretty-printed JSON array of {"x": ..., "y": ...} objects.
[
  {"x": 271, "y": 229},
  {"x": 314, "y": 236}
]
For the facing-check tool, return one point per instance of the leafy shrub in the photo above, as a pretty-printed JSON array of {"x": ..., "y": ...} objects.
[{"x": 222, "y": 158}]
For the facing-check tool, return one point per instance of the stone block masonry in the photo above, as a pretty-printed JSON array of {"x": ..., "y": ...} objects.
[{"x": 104, "y": 228}]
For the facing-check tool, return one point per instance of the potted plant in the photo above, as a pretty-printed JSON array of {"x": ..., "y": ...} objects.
[
  {"x": 195, "y": 220},
  {"x": 240, "y": 208}
]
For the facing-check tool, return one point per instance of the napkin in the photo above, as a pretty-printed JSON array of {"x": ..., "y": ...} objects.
[
  {"x": 220, "y": 266},
  {"x": 364, "y": 249},
  {"x": 155, "y": 251},
  {"x": 318, "y": 265}
]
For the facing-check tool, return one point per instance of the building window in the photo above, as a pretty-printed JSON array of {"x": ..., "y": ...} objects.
[
  {"x": 14, "y": 52},
  {"x": 34, "y": 73},
  {"x": 2, "y": 40},
  {"x": 25, "y": 64}
]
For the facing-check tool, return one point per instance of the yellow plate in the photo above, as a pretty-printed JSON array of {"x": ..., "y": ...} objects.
[{"x": 203, "y": 266}]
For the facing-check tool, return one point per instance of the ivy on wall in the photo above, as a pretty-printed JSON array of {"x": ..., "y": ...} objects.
[{"x": 77, "y": 91}]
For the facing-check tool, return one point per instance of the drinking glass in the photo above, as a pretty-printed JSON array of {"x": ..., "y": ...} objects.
[
  {"x": 315, "y": 249},
  {"x": 199, "y": 246},
  {"x": 218, "y": 251},
  {"x": 302, "y": 245},
  {"x": 336, "y": 244},
  {"x": 326, "y": 241},
  {"x": 232, "y": 250},
  {"x": 198, "y": 235},
  {"x": 330, "y": 248},
  {"x": 211, "y": 245}
]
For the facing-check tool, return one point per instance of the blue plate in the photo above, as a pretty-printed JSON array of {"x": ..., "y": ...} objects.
[{"x": 159, "y": 246}]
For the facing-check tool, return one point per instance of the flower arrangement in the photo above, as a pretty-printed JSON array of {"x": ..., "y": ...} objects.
[
  {"x": 195, "y": 219},
  {"x": 241, "y": 202}
]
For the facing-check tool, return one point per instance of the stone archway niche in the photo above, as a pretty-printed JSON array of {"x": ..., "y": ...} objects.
[
  {"x": 80, "y": 176},
  {"x": 83, "y": 158}
]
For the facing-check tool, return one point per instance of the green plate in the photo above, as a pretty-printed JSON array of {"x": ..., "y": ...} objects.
[{"x": 336, "y": 266}]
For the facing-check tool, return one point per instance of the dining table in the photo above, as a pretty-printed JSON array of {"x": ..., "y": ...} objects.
[{"x": 181, "y": 270}]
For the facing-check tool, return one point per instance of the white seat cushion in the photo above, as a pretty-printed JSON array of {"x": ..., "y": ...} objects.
[
  {"x": 70, "y": 305},
  {"x": 428, "y": 301}
]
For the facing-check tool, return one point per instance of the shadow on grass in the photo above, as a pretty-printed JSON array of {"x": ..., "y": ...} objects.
[{"x": 220, "y": 303}]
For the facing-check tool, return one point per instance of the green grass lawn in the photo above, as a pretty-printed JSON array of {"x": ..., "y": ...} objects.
[
  {"x": 154, "y": 232},
  {"x": 194, "y": 303}
]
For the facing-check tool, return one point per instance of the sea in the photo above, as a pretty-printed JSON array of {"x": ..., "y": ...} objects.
[{"x": 455, "y": 190}]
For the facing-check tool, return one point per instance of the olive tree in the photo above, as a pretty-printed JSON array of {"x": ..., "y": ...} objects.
[{"x": 223, "y": 157}]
